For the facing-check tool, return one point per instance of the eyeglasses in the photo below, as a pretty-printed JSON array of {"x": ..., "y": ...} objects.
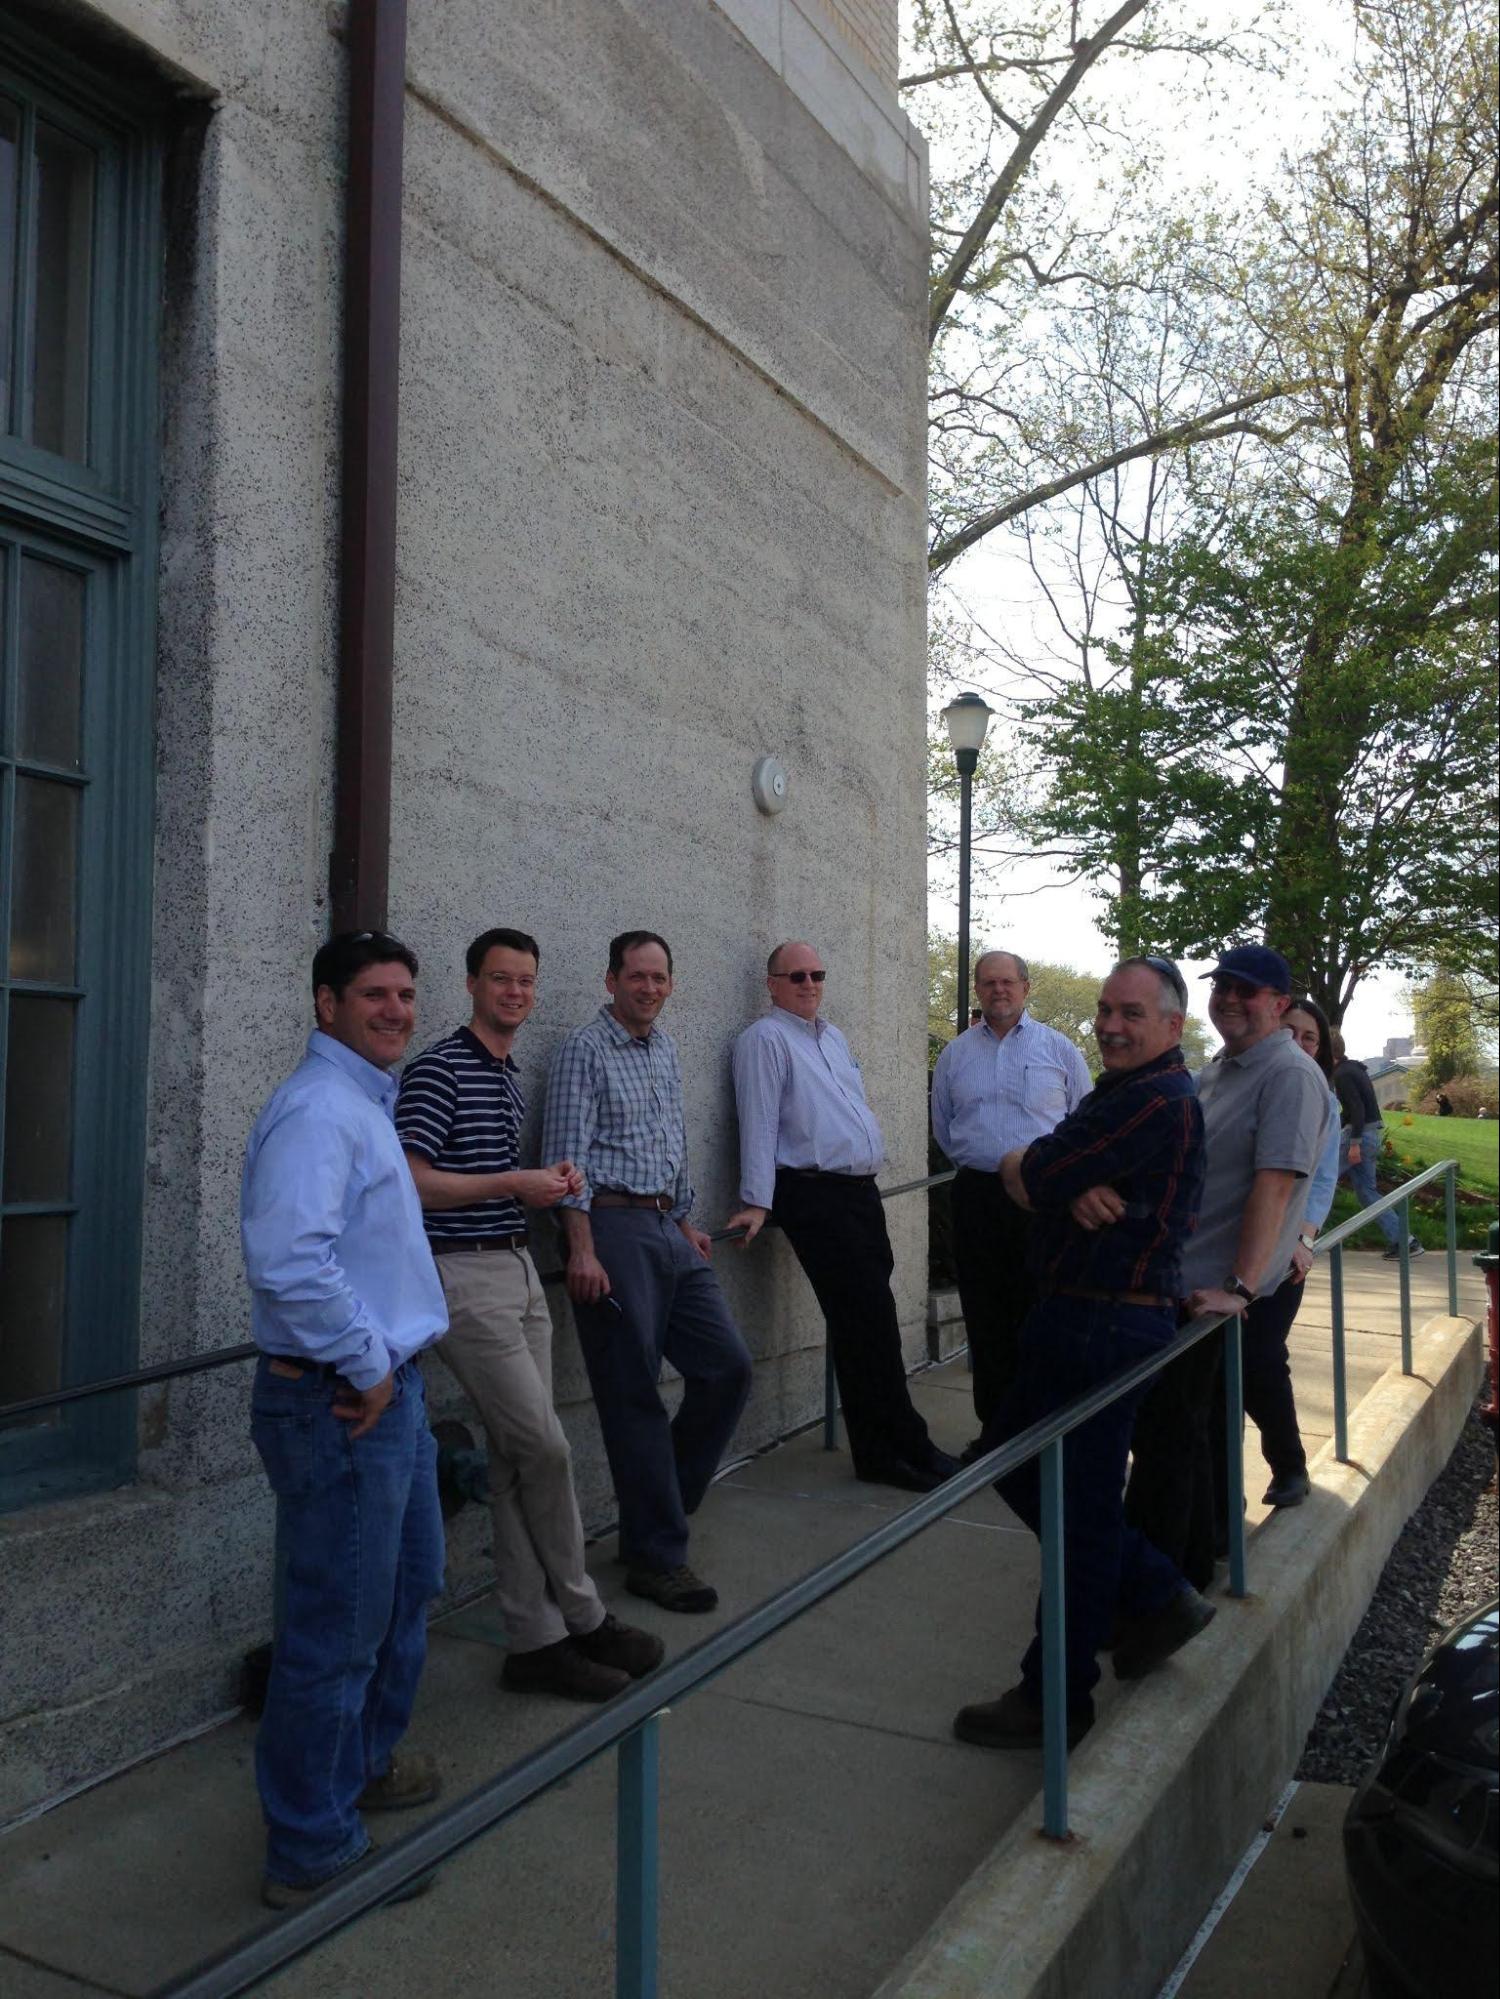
[
  {"x": 1236, "y": 988},
  {"x": 801, "y": 978}
]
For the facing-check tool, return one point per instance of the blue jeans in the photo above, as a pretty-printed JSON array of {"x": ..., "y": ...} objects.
[
  {"x": 1069, "y": 1346},
  {"x": 359, "y": 1552},
  {"x": 1362, "y": 1180}
]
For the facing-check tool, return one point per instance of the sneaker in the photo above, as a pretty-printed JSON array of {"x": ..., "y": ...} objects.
[
  {"x": 673, "y": 1589},
  {"x": 1015, "y": 1722},
  {"x": 562, "y": 1669},
  {"x": 411, "y": 1780},
  {"x": 1145, "y": 1641},
  {"x": 297, "y": 1894},
  {"x": 1288, "y": 1491},
  {"x": 1413, "y": 1248},
  {"x": 615, "y": 1644}
]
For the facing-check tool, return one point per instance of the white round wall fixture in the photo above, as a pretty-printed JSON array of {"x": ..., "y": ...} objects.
[{"x": 768, "y": 785}]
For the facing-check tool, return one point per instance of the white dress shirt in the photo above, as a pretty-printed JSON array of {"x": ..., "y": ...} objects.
[{"x": 992, "y": 1093}]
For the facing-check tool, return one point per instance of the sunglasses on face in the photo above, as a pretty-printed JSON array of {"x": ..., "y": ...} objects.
[
  {"x": 801, "y": 978},
  {"x": 1237, "y": 988}
]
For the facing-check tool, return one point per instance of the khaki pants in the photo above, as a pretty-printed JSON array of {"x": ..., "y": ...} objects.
[{"x": 499, "y": 1347}]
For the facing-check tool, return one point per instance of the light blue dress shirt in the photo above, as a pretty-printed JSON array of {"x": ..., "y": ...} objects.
[
  {"x": 337, "y": 1258},
  {"x": 1324, "y": 1178},
  {"x": 801, "y": 1102},
  {"x": 994, "y": 1093}
]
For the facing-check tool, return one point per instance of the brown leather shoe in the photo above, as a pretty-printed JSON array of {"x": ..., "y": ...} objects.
[
  {"x": 411, "y": 1780},
  {"x": 1015, "y": 1722},
  {"x": 615, "y": 1644},
  {"x": 673, "y": 1589},
  {"x": 297, "y": 1894},
  {"x": 562, "y": 1669}
]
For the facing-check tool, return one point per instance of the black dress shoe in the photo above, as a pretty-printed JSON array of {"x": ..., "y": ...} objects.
[
  {"x": 1289, "y": 1489},
  {"x": 945, "y": 1465},
  {"x": 909, "y": 1477},
  {"x": 1143, "y": 1642}
]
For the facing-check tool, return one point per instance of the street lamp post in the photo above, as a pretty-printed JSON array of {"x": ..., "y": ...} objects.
[{"x": 967, "y": 717}]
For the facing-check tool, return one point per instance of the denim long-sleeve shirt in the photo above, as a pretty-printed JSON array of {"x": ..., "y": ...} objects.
[
  {"x": 614, "y": 1107},
  {"x": 1324, "y": 1180},
  {"x": 994, "y": 1092},
  {"x": 801, "y": 1102},
  {"x": 1139, "y": 1131},
  {"x": 335, "y": 1252}
]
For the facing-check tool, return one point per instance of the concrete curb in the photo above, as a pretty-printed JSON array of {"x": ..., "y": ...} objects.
[{"x": 1165, "y": 1795}]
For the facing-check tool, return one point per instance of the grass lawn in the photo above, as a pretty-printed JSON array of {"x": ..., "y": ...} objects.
[{"x": 1418, "y": 1142}]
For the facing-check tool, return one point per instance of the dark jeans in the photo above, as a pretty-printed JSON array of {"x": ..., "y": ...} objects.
[
  {"x": 359, "y": 1549},
  {"x": 991, "y": 1252},
  {"x": 836, "y": 1227},
  {"x": 1069, "y": 1346},
  {"x": 1269, "y": 1401},
  {"x": 670, "y": 1308},
  {"x": 1170, "y": 1497}
]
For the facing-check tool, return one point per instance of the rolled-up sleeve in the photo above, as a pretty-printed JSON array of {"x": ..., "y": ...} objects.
[
  {"x": 291, "y": 1217},
  {"x": 942, "y": 1099},
  {"x": 760, "y": 1066}
]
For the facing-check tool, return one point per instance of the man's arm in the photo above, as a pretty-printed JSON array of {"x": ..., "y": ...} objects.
[
  {"x": 568, "y": 1119},
  {"x": 535, "y": 1187},
  {"x": 941, "y": 1097},
  {"x": 1079, "y": 1081},
  {"x": 585, "y": 1279},
  {"x": 1265, "y": 1210},
  {"x": 1096, "y": 1145},
  {"x": 759, "y": 1068}
]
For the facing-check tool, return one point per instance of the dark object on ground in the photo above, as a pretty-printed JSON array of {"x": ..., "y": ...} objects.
[
  {"x": 1489, "y": 1264},
  {"x": 463, "y": 1472},
  {"x": 1143, "y": 1642},
  {"x": 1422, "y": 1835},
  {"x": 255, "y": 1672},
  {"x": 1015, "y": 1722}
]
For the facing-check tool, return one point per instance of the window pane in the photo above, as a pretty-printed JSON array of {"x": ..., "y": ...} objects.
[
  {"x": 33, "y": 1274},
  {"x": 43, "y": 884},
  {"x": 51, "y": 681},
  {"x": 10, "y": 134},
  {"x": 64, "y": 257},
  {"x": 39, "y": 1099}
]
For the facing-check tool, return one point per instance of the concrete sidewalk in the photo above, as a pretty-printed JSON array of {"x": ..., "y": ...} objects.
[{"x": 817, "y": 1816}]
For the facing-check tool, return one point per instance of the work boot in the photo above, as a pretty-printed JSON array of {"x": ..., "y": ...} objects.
[
  {"x": 286, "y": 1895},
  {"x": 1145, "y": 1641},
  {"x": 621, "y": 1645},
  {"x": 561, "y": 1668},
  {"x": 411, "y": 1780},
  {"x": 1015, "y": 1722},
  {"x": 673, "y": 1589}
]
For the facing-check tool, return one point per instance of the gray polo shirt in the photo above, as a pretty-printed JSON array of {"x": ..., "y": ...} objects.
[{"x": 1266, "y": 1108}]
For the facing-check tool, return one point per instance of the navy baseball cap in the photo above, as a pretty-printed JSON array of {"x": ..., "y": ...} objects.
[{"x": 1257, "y": 965}]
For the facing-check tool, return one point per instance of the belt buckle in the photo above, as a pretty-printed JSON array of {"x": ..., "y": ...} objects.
[{"x": 662, "y": 1203}]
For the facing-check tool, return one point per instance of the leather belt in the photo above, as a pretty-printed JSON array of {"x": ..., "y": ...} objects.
[
  {"x": 821, "y": 1173},
  {"x": 476, "y": 1244},
  {"x": 1151, "y": 1299},
  {"x": 613, "y": 1197}
]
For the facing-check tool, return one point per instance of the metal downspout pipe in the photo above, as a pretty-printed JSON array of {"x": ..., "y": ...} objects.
[{"x": 359, "y": 866}]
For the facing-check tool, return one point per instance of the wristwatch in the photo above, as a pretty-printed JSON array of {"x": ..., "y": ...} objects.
[
  {"x": 1307, "y": 1241},
  {"x": 1240, "y": 1289}
]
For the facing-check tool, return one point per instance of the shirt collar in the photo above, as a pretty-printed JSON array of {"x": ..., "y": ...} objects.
[
  {"x": 1109, "y": 1079},
  {"x": 983, "y": 1027},
  {"x": 785, "y": 1018},
  {"x": 378, "y": 1084},
  {"x": 1258, "y": 1051},
  {"x": 622, "y": 1035},
  {"x": 472, "y": 1041}
]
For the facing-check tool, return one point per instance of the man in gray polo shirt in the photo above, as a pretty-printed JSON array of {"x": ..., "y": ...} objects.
[{"x": 1265, "y": 1111}]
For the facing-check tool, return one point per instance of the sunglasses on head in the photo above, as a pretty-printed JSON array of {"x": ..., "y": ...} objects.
[
  {"x": 801, "y": 978},
  {"x": 1170, "y": 973}
]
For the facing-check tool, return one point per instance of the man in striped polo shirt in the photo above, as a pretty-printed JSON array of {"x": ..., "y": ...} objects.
[{"x": 459, "y": 1119}]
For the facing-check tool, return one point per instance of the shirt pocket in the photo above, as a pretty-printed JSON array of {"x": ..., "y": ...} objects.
[{"x": 1044, "y": 1092}]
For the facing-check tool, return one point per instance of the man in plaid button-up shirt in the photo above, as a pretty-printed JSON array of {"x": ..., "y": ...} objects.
[{"x": 638, "y": 1271}]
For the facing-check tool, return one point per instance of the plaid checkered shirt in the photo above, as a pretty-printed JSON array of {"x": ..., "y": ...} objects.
[{"x": 614, "y": 1107}]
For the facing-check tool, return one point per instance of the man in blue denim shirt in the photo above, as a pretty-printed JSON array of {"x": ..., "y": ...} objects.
[
  {"x": 344, "y": 1293},
  {"x": 1115, "y": 1190}
]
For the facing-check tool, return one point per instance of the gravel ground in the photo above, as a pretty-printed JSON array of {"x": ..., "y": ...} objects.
[{"x": 1443, "y": 1566}]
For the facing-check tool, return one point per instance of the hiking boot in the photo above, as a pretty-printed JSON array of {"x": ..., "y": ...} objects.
[
  {"x": 1289, "y": 1489},
  {"x": 562, "y": 1669},
  {"x": 1015, "y": 1722},
  {"x": 1145, "y": 1641},
  {"x": 411, "y": 1780},
  {"x": 621, "y": 1645},
  {"x": 673, "y": 1589},
  {"x": 286, "y": 1895}
]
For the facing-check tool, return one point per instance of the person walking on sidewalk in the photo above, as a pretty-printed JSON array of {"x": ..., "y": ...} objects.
[
  {"x": 810, "y": 1147},
  {"x": 459, "y": 1118},
  {"x": 1115, "y": 1190},
  {"x": 1005, "y": 1081},
  {"x": 343, "y": 1296},
  {"x": 1362, "y": 1140},
  {"x": 638, "y": 1271}
]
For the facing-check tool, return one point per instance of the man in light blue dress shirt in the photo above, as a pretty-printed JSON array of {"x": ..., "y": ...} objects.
[
  {"x": 1003, "y": 1083},
  {"x": 344, "y": 1293},
  {"x": 810, "y": 1148}
]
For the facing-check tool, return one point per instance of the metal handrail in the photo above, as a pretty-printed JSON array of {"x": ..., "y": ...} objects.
[{"x": 168, "y": 1370}]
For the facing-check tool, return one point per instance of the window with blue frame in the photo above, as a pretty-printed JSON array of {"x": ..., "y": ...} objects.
[{"x": 79, "y": 300}]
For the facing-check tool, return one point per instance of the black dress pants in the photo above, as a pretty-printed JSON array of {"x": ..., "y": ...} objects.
[
  {"x": 836, "y": 1226},
  {"x": 1267, "y": 1378},
  {"x": 1170, "y": 1497},
  {"x": 992, "y": 1259}
]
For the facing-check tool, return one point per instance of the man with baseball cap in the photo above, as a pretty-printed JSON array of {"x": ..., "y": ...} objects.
[{"x": 1265, "y": 1112}]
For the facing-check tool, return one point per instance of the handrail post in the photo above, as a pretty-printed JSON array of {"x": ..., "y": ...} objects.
[
  {"x": 1450, "y": 1217},
  {"x": 830, "y": 1396},
  {"x": 1054, "y": 1644},
  {"x": 636, "y": 1863},
  {"x": 1404, "y": 1211},
  {"x": 1340, "y": 1386},
  {"x": 1234, "y": 1416}
]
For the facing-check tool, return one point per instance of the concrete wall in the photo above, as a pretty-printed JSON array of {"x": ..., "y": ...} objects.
[{"x": 660, "y": 514}]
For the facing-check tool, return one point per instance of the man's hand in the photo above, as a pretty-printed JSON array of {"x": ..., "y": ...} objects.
[
  {"x": 1097, "y": 1209},
  {"x": 751, "y": 1220},
  {"x": 1220, "y": 1303},
  {"x": 1356, "y": 1152},
  {"x": 362, "y": 1408},
  {"x": 698, "y": 1239},
  {"x": 586, "y": 1279},
  {"x": 544, "y": 1186},
  {"x": 1302, "y": 1258}
]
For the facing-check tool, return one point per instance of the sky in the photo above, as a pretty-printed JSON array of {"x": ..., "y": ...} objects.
[{"x": 1238, "y": 133}]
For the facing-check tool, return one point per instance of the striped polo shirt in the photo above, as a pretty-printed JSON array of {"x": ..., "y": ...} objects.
[{"x": 460, "y": 1109}]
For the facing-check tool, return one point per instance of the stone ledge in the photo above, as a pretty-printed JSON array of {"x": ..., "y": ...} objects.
[{"x": 1167, "y": 1793}]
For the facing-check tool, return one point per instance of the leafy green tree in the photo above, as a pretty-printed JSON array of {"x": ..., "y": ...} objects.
[{"x": 1443, "y": 1009}]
